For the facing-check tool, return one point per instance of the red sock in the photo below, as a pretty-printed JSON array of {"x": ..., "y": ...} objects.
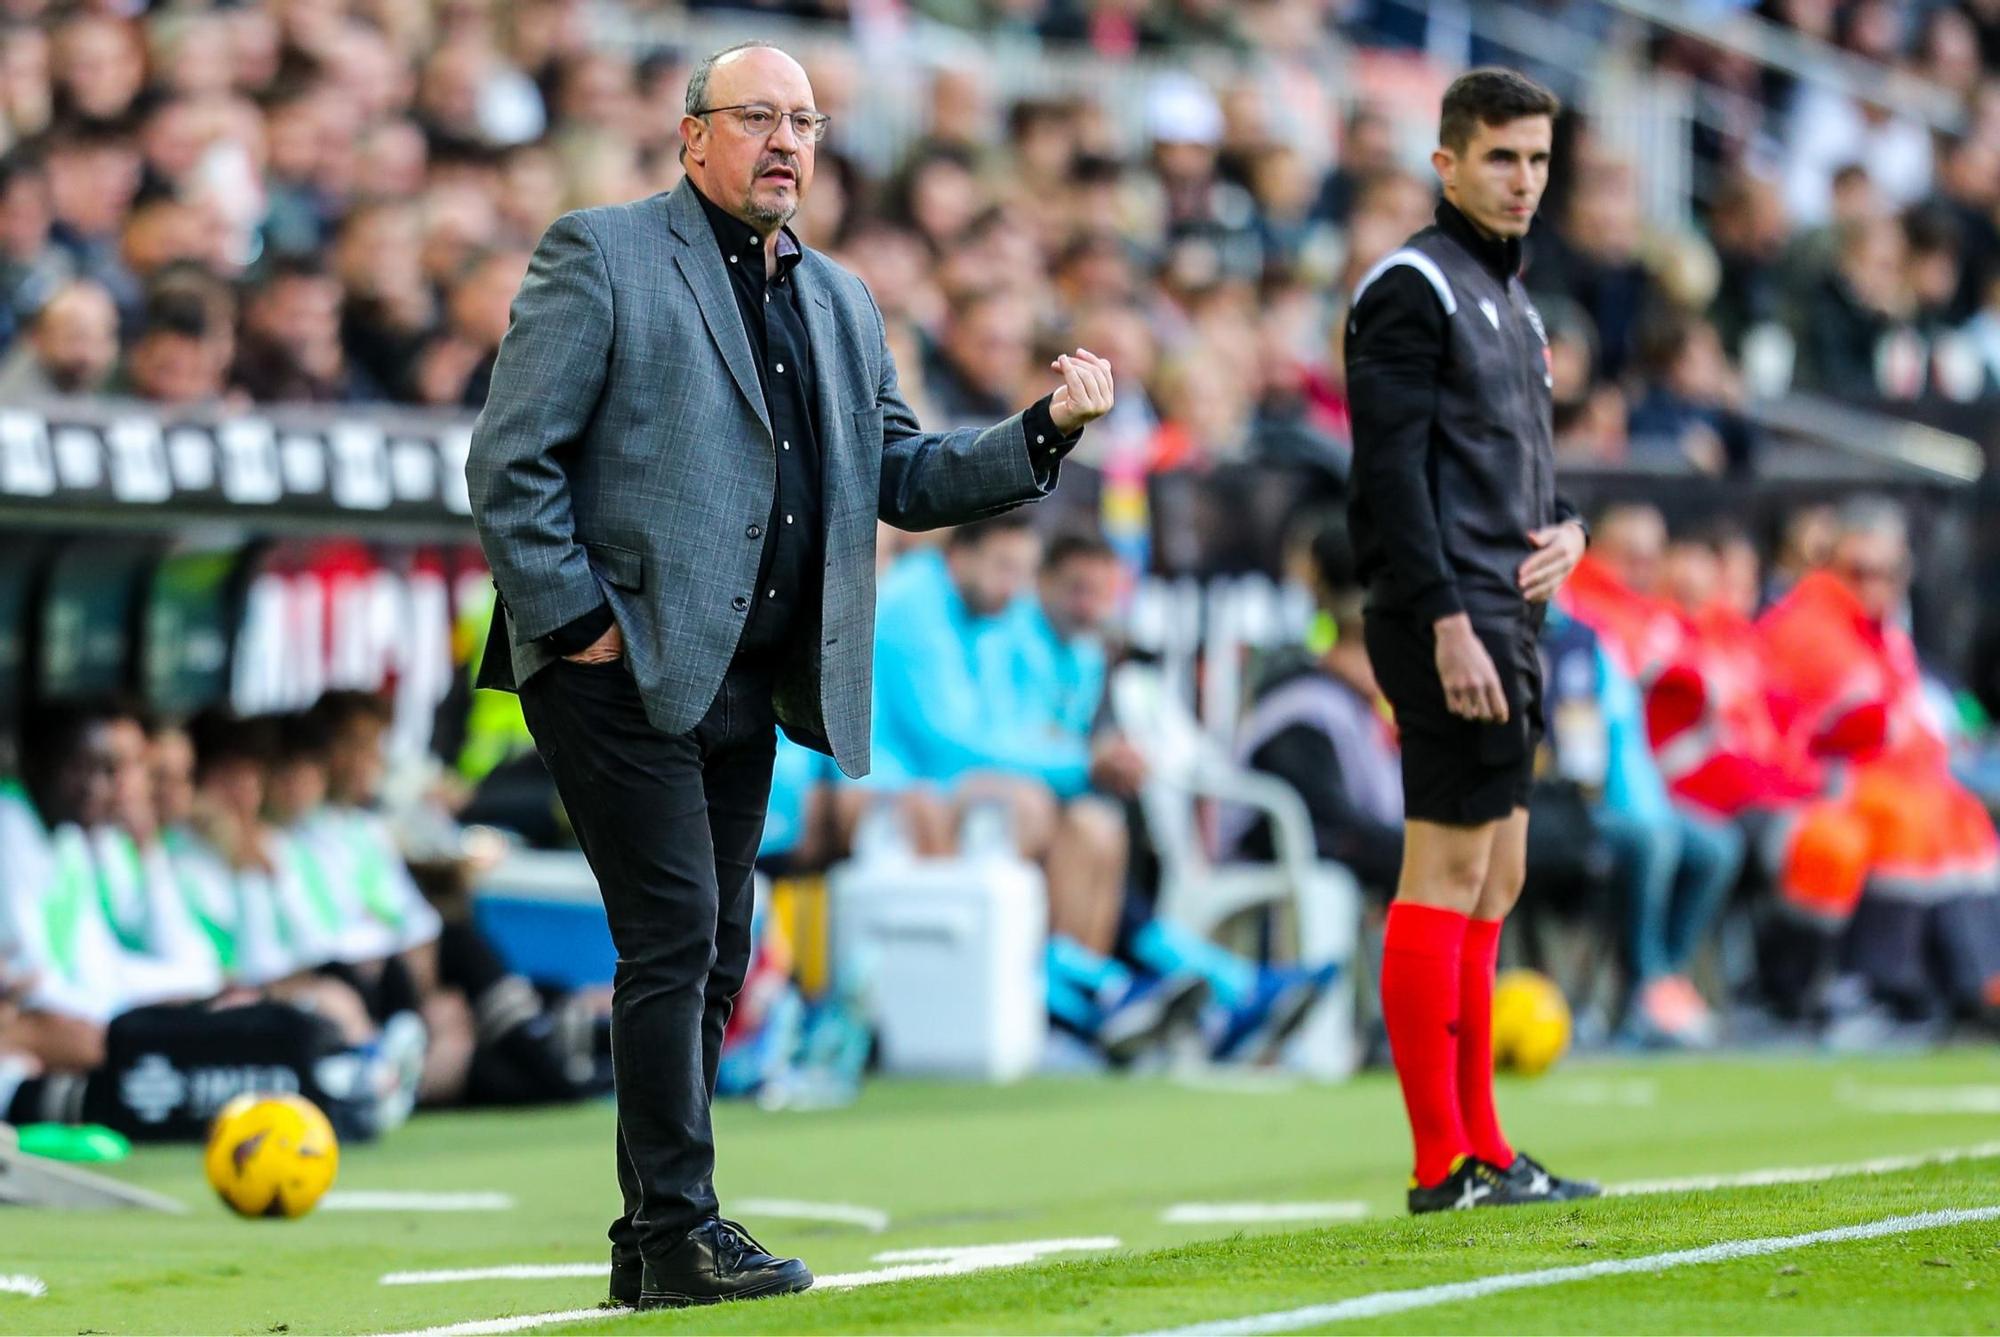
[
  {"x": 1475, "y": 1043},
  {"x": 1420, "y": 980}
]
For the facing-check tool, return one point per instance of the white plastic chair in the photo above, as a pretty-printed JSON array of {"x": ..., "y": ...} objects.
[{"x": 1186, "y": 765}]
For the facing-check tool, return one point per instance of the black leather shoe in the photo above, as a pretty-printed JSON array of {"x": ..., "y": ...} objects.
[
  {"x": 718, "y": 1261},
  {"x": 627, "y": 1279}
]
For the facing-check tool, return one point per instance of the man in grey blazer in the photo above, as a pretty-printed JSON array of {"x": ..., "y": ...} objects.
[{"x": 693, "y": 427}]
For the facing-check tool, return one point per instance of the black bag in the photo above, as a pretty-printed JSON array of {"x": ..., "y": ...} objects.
[{"x": 167, "y": 1070}]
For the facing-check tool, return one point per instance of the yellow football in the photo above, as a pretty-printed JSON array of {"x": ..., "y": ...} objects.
[
  {"x": 271, "y": 1155},
  {"x": 1531, "y": 1023}
]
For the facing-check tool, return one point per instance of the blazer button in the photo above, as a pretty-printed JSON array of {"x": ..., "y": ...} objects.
[
  {"x": 739, "y": 603},
  {"x": 753, "y": 532}
]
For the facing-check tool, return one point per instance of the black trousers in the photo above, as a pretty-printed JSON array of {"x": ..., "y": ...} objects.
[{"x": 670, "y": 825}]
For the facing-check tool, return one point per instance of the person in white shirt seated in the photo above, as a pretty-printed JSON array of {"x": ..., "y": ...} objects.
[{"x": 494, "y": 1038}]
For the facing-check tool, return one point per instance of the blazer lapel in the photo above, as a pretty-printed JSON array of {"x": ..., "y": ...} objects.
[
  {"x": 827, "y": 364},
  {"x": 701, "y": 265}
]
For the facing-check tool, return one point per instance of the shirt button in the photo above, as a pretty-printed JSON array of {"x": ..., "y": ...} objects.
[
  {"x": 770, "y": 594},
  {"x": 788, "y": 519},
  {"x": 739, "y": 603},
  {"x": 788, "y": 445},
  {"x": 732, "y": 259},
  {"x": 1040, "y": 439},
  {"x": 781, "y": 369},
  {"x": 753, "y": 532}
]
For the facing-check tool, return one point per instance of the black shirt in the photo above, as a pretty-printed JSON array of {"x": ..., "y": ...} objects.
[{"x": 788, "y": 573}]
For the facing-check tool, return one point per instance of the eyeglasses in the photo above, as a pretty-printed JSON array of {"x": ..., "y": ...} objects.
[{"x": 760, "y": 121}]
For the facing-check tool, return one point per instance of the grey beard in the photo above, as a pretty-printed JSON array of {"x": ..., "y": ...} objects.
[{"x": 769, "y": 217}]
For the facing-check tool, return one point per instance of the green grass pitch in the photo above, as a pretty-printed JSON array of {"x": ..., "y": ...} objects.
[{"x": 1090, "y": 1161}]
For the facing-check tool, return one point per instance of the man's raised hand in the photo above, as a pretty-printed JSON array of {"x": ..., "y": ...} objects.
[{"x": 1086, "y": 392}]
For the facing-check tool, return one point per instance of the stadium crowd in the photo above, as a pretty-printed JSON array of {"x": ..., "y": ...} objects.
[{"x": 333, "y": 201}]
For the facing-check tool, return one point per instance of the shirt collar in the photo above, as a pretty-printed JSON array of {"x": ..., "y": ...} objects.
[
  {"x": 1502, "y": 256},
  {"x": 737, "y": 238}
]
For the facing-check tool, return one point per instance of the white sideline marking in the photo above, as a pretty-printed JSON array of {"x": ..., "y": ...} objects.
[
  {"x": 372, "y": 1200},
  {"x": 506, "y": 1272},
  {"x": 1807, "y": 1174},
  {"x": 906, "y": 1265},
  {"x": 911, "y": 1264},
  {"x": 518, "y": 1323},
  {"x": 1245, "y": 1213},
  {"x": 22, "y": 1284},
  {"x": 914, "y": 1263},
  {"x": 872, "y": 1219},
  {"x": 1632, "y": 1093},
  {"x": 1921, "y": 1099},
  {"x": 1424, "y": 1297}
]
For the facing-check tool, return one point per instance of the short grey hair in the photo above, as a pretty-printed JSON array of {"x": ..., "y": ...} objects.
[
  {"x": 697, "y": 89},
  {"x": 1873, "y": 514}
]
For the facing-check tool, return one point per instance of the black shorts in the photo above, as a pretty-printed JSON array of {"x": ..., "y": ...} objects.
[{"x": 1457, "y": 771}]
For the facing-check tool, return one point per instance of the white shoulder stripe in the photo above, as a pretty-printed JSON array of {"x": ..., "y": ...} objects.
[{"x": 1418, "y": 261}]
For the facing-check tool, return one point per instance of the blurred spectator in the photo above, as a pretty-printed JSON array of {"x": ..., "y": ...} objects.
[
  {"x": 1968, "y": 191},
  {"x": 1675, "y": 867},
  {"x": 1316, "y": 722},
  {"x": 937, "y": 195},
  {"x": 1829, "y": 129},
  {"x": 1685, "y": 410},
  {"x": 177, "y": 359},
  {"x": 1857, "y": 307},
  {"x": 1805, "y": 544},
  {"x": 1367, "y": 150},
  {"x": 163, "y": 231},
  {"x": 93, "y": 174},
  {"x": 1748, "y": 227},
  {"x": 71, "y": 346},
  {"x": 1044, "y": 666},
  {"x": 1288, "y": 234},
  {"x": 27, "y": 89},
  {"x": 959, "y": 103},
  {"x": 389, "y": 306},
  {"x": 1119, "y": 333},
  {"x": 1184, "y": 124},
  {"x": 100, "y": 66},
  {"x": 1927, "y": 928},
  {"x": 1205, "y": 415},
  {"x": 291, "y": 349},
  {"x": 457, "y": 364},
  {"x": 1814, "y": 249},
  {"x": 935, "y": 720},
  {"x": 297, "y": 208},
  {"x": 1593, "y": 259},
  {"x": 983, "y": 365},
  {"x": 943, "y": 720},
  {"x": 1301, "y": 407},
  {"x": 31, "y": 264}
]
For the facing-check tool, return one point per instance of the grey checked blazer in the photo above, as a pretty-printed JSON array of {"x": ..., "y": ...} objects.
[{"x": 625, "y": 453}]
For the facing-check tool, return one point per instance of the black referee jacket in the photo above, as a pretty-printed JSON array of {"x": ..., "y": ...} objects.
[{"x": 1448, "y": 385}]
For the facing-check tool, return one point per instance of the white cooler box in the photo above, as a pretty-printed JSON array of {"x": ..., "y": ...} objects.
[{"x": 952, "y": 954}]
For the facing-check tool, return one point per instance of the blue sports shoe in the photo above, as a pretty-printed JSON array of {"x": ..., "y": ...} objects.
[
  {"x": 1145, "y": 1012},
  {"x": 1258, "y": 1027}
]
